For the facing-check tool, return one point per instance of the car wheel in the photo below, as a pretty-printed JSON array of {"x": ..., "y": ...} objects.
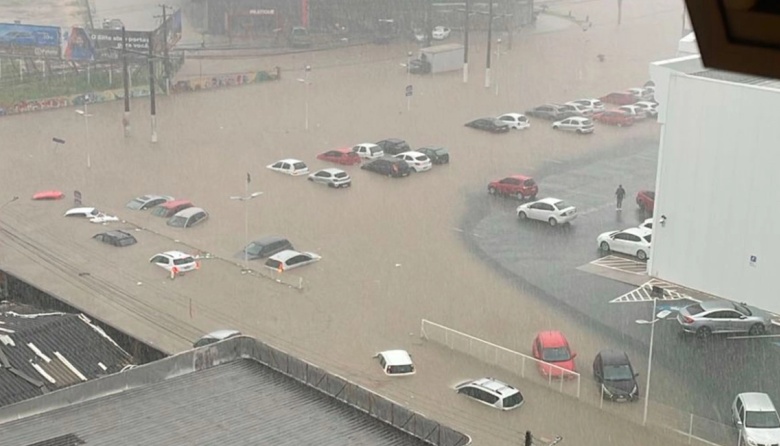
[
  {"x": 703, "y": 332},
  {"x": 757, "y": 330},
  {"x": 555, "y": 127},
  {"x": 641, "y": 255},
  {"x": 604, "y": 246},
  {"x": 519, "y": 196},
  {"x": 492, "y": 190},
  {"x": 552, "y": 221},
  {"x": 521, "y": 215}
]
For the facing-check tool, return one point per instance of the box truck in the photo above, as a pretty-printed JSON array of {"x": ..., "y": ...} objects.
[{"x": 438, "y": 59}]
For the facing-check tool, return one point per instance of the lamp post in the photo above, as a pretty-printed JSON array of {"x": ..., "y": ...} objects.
[
  {"x": 490, "y": 39},
  {"x": 408, "y": 79},
  {"x": 245, "y": 198},
  {"x": 305, "y": 80},
  {"x": 657, "y": 317},
  {"x": 86, "y": 116},
  {"x": 498, "y": 57}
]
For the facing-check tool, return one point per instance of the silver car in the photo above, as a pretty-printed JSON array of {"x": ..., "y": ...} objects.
[
  {"x": 721, "y": 316},
  {"x": 336, "y": 178}
]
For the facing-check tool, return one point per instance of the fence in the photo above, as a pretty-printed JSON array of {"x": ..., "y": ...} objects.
[{"x": 503, "y": 357}]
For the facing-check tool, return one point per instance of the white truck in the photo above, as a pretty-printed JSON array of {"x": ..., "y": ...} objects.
[{"x": 438, "y": 59}]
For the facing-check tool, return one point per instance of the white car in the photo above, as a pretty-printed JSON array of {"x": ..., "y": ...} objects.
[
  {"x": 440, "y": 33},
  {"x": 517, "y": 121},
  {"x": 492, "y": 392},
  {"x": 640, "y": 93},
  {"x": 577, "y": 124},
  {"x": 175, "y": 259},
  {"x": 550, "y": 210},
  {"x": 416, "y": 160},
  {"x": 290, "y": 166},
  {"x": 396, "y": 362},
  {"x": 647, "y": 224},
  {"x": 92, "y": 214},
  {"x": 580, "y": 109},
  {"x": 631, "y": 241},
  {"x": 594, "y": 105},
  {"x": 634, "y": 110},
  {"x": 368, "y": 151},
  {"x": 289, "y": 259},
  {"x": 332, "y": 177},
  {"x": 650, "y": 108},
  {"x": 755, "y": 416},
  {"x": 215, "y": 336}
]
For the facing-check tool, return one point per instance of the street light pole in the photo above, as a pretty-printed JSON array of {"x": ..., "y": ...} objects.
[
  {"x": 247, "y": 196},
  {"x": 86, "y": 115},
  {"x": 498, "y": 57},
  {"x": 656, "y": 317},
  {"x": 305, "y": 80},
  {"x": 408, "y": 79},
  {"x": 490, "y": 41}
]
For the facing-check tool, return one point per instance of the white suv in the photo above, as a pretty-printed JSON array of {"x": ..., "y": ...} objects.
[
  {"x": 396, "y": 362},
  {"x": 756, "y": 418},
  {"x": 175, "y": 261},
  {"x": 492, "y": 392},
  {"x": 416, "y": 160}
]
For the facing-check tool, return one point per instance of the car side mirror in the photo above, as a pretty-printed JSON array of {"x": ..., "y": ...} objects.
[
  {"x": 573, "y": 355},
  {"x": 743, "y": 317}
]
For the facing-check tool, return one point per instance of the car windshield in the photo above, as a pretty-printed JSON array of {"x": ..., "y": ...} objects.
[
  {"x": 743, "y": 309},
  {"x": 177, "y": 222},
  {"x": 127, "y": 241},
  {"x": 440, "y": 151},
  {"x": 618, "y": 372},
  {"x": 254, "y": 248},
  {"x": 406, "y": 368},
  {"x": 375, "y": 149},
  {"x": 762, "y": 420},
  {"x": 556, "y": 354},
  {"x": 136, "y": 204},
  {"x": 160, "y": 211},
  {"x": 299, "y": 166},
  {"x": 183, "y": 261},
  {"x": 513, "y": 400},
  {"x": 422, "y": 158},
  {"x": 273, "y": 263}
]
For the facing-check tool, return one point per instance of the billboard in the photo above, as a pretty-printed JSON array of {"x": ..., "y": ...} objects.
[
  {"x": 29, "y": 40},
  {"x": 105, "y": 44}
]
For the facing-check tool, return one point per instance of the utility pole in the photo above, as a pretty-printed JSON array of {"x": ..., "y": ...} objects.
[
  {"x": 489, "y": 43},
  {"x": 126, "y": 82},
  {"x": 166, "y": 61},
  {"x": 466, "y": 44},
  {"x": 620, "y": 11},
  {"x": 151, "y": 90}
]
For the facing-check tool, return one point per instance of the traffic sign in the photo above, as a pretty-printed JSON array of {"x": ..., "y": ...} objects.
[{"x": 409, "y": 90}]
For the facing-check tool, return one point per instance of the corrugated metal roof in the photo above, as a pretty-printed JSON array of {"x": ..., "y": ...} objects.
[
  {"x": 235, "y": 404},
  {"x": 738, "y": 78},
  {"x": 61, "y": 347}
]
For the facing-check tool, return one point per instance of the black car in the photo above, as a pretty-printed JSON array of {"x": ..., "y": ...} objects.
[
  {"x": 264, "y": 247},
  {"x": 550, "y": 111},
  {"x": 489, "y": 124},
  {"x": 387, "y": 165},
  {"x": 116, "y": 238},
  {"x": 438, "y": 155},
  {"x": 393, "y": 146},
  {"x": 614, "y": 372}
]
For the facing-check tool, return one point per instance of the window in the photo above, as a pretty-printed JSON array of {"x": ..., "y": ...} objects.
[
  {"x": 485, "y": 396},
  {"x": 322, "y": 174},
  {"x": 529, "y": 182},
  {"x": 556, "y": 354},
  {"x": 299, "y": 166},
  {"x": 547, "y": 207},
  {"x": 632, "y": 238},
  {"x": 297, "y": 259},
  {"x": 277, "y": 165},
  {"x": 183, "y": 261},
  {"x": 739, "y": 409},
  {"x": 285, "y": 166},
  {"x": 762, "y": 420},
  {"x": 382, "y": 361},
  {"x": 341, "y": 175}
]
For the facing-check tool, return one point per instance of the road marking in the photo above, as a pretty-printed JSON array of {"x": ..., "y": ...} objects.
[
  {"x": 621, "y": 264},
  {"x": 695, "y": 437},
  {"x": 644, "y": 293}
]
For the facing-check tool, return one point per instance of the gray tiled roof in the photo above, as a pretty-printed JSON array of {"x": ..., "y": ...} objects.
[
  {"x": 238, "y": 403},
  {"x": 59, "y": 347}
]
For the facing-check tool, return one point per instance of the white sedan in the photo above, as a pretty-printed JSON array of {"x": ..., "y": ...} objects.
[
  {"x": 634, "y": 110},
  {"x": 416, "y": 160},
  {"x": 332, "y": 177},
  {"x": 550, "y": 210},
  {"x": 289, "y": 166},
  {"x": 577, "y": 124},
  {"x": 289, "y": 259},
  {"x": 594, "y": 105},
  {"x": 517, "y": 121},
  {"x": 396, "y": 362},
  {"x": 631, "y": 241},
  {"x": 440, "y": 33},
  {"x": 175, "y": 262},
  {"x": 92, "y": 214}
]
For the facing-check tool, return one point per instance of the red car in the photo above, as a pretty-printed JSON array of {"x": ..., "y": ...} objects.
[
  {"x": 617, "y": 118},
  {"x": 645, "y": 199},
  {"x": 519, "y": 186},
  {"x": 344, "y": 156},
  {"x": 551, "y": 347},
  {"x": 619, "y": 98},
  {"x": 48, "y": 195}
]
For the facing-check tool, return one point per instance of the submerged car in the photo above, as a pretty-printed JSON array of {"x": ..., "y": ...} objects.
[
  {"x": 170, "y": 208},
  {"x": 419, "y": 162},
  {"x": 614, "y": 372},
  {"x": 48, "y": 195},
  {"x": 344, "y": 156},
  {"x": 216, "y": 336},
  {"x": 517, "y": 121},
  {"x": 577, "y": 124},
  {"x": 289, "y": 166},
  {"x": 551, "y": 347},
  {"x": 492, "y": 125},
  {"x": 396, "y": 362},
  {"x": 619, "y": 98},
  {"x": 438, "y": 155},
  {"x": 368, "y": 151},
  {"x": 491, "y": 392},
  {"x": 612, "y": 117},
  {"x": 393, "y": 146},
  {"x": 388, "y": 165},
  {"x": 115, "y": 238},
  {"x": 147, "y": 202},
  {"x": 290, "y": 259},
  {"x": 188, "y": 218},
  {"x": 91, "y": 214},
  {"x": 645, "y": 199},
  {"x": 264, "y": 247},
  {"x": 335, "y": 178},
  {"x": 175, "y": 262},
  {"x": 723, "y": 316}
]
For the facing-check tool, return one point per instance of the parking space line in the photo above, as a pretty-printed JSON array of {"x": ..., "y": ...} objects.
[
  {"x": 621, "y": 264},
  {"x": 645, "y": 293}
]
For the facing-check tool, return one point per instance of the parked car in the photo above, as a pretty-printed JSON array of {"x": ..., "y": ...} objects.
[
  {"x": 550, "y": 210},
  {"x": 289, "y": 166},
  {"x": 756, "y": 418},
  {"x": 264, "y": 247},
  {"x": 613, "y": 371},
  {"x": 368, "y": 151},
  {"x": 175, "y": 259},
  {"x": 647, "y": 224},
  {"x": 491, "y": 392},
  {"x": 612, "y": 117},
  {"x": 519, "y": 186},
  {"x": 170, "y": 208},
  {"x": 619, "y": 98},
  {"x": 438, "y": 155},
  {"x": 48, "y": 195},
  {"x": 492, "y": 125},
  {"x": 640, "y": 93},
  {"x": 344, "y": 156},
  {"x": 115, "y": 238},
  {"x": 393, "y": 146},
  {"x": 553, "y": 348},
  {"x": 290, "y": 259},
  {"x": 594, "y": 105},
  {"x": 90, "y": 213},
  {"x": 418, "y": 35},
  {"x": 635, "y": 111},
  {"x": 299, "y": 37},
  {"x": 550, "y": 112},
  {"x": 396, "y": 362},
  {"x": 577, "y": 109},
  {"x": 723, "y": 316},
  {"x": 645, "y": 199},
  {"x": 440, "y": 33},
  {"x": 650, "y": 108},
  {"x": 575, "y": 124},
  {"x": 418, "y": 161},
  {"x": 517, "y": 121},
  {"x": 631, "y": 241},
  {"x": 147, "y": 202},
  {"x": 215, "y": 336},
  {"x": 388, "y": 165},
  {"x": 335, "y": 178},
  {"x": 188, "y": 218}
]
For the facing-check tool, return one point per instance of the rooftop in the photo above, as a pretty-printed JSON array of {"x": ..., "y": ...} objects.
[{"x": 738, "y": 78}]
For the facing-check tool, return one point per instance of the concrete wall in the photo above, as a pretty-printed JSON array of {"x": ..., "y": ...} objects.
[{"x": 716, "y": 184}]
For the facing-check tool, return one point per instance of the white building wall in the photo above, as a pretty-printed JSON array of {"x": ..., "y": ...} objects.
[{"x": 718, "y": 185}]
